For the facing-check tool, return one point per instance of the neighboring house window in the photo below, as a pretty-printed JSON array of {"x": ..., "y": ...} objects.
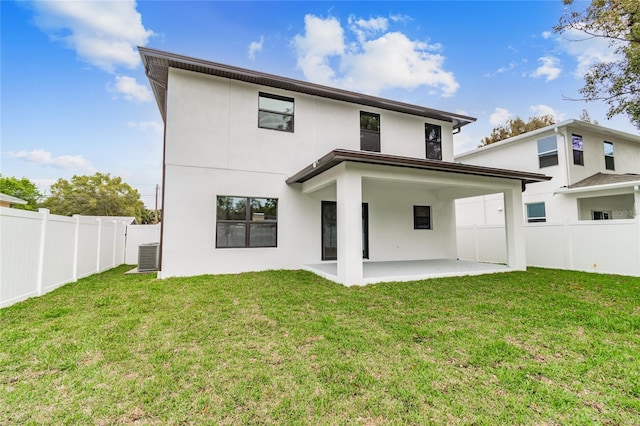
[
  {"x": 536, "y": 213},
  {"x": 433, "y": 137},
  {"x": 275, "y": 112},
  {"x": 602, "y": 215},
  {"x": 578, "y": 152},
  {"x": 369, "y": 131},
  {"x": 608, "y": 156},
  {"x": 421, "y": 217},
  {"x": 548, "y": 151},
  {"x": 246, "y": 222}
]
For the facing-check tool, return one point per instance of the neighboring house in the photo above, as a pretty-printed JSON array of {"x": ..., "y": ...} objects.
[
  {"x": 8, "y": 200},
  {"x": 265, "y": 172},
  {"x": 595, "y": 179}
]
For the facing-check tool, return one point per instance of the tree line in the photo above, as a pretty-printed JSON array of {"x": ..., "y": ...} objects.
[{"x": 98, "y": 195}]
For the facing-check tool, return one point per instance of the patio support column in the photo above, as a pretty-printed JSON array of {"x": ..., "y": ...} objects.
[
  {"x": 349, "y": 218},
  {"x": 514, "y": 227}
]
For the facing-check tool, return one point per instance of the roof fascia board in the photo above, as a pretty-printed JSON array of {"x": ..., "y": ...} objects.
[{"x": 300, "y": 86}]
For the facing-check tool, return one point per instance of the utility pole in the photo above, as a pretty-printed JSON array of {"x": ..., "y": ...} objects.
[{"x": 155, "y": 219}]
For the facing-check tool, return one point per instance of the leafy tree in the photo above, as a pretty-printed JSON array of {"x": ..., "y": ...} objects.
[
  {"x": 617, "y": 83},
  {"x": 517, "y": 126},
  {"x": 586, "y": 117},
  {"x": 97, "y": 195},
  {"x": 23, "y": 189},
  {"x": 149, "y": 216}
]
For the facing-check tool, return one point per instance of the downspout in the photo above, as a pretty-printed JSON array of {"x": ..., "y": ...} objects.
[{"x": 566, "y": 154}]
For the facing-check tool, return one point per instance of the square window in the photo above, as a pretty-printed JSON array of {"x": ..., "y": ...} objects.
[
  {"x": 246, "y": 222},
  {"x": 421, "y": 217},
  {"x": 536, "y": 213},
  {"x": 433, "y": 138},
  {"x": 548, "y": 152},
  {"x": 275, "y": 112}
]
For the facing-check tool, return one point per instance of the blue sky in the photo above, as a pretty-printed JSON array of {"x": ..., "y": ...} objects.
[{"x": 75, "y": 100}]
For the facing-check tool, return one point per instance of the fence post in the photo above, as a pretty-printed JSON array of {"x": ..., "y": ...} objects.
[
  {"x": 99, "y": 245},
  {"x": 76, "y": 249},
  {"x": 636, "y": 213},
  {"x": 41, "y": 249},
  {"x": 115, "y": 243}
]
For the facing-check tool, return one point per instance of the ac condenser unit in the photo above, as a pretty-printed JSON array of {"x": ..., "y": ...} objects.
[{"x": 148, "y": 255}]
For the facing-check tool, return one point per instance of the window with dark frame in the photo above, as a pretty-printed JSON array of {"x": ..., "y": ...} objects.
[
  {"x": 609, "y": 163},
  {"x": 578, "y": 150},
  {"x": 548, "y": 151},
  {"x": 536, "y": 212},
  {"x": 421, "y": 217},
  {"x": 369, "y": 131},
  {"x": 246, "y": 222},
  {"x": 275, "y": 112},
  {"x": 601, "y": 215},
  {"x": 433, "y": 138}
]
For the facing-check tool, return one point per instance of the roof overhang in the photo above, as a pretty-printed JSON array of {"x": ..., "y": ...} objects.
[
  {"x": 157, "y": 64},
  {"x": 594, "y": 188},
  {"x": 338, "y": 156}
]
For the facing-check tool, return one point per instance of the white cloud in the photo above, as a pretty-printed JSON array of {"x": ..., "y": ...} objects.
[
  {"x": 374, "y": 59},
  {"x": 550, "y": 68},
  {"x": 587, "y": 50},
  {"x": 499, "y": 117},
  {"x": 547, "y": 35},
  {"x": 130, "y": 89},
  {"x": 102, "y": 33},
  {"x": 254, "y": 47},
  {"x": 44, "y": 158},
  {"x": 144, "y": 125},
  {"x": 538, "y": 110}
]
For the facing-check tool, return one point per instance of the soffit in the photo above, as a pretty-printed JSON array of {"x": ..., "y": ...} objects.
[{"x": 338, "y": 156}]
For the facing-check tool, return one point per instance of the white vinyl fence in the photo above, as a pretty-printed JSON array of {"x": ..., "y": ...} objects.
[
  {"x": 606, "y": 246},
  {"x": 139, "y": 234},
  {"x": 40, "y": 252}
]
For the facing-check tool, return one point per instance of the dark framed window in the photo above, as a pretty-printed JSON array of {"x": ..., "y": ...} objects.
[
  {"x": 578, "y": 150},
  {"x": 246, "y": 222},
  {"x": 536, "y": 212},
  {"x": 369, "y": 131},
  {"x": 609, "y": 164},
  {"x": 421, "y": 217},
  {"x": 433, "y": 138},
  {"x": 600, "y": 215},
  {"x": 275, "y": 112},
  {"x": 330, "y": 230},
  {"x": 548, "y": 151}
]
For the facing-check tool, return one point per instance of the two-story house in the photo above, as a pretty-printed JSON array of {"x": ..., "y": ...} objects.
[
  {"x": 265, "y": 172},
  {"x": 595, "y": 186}
]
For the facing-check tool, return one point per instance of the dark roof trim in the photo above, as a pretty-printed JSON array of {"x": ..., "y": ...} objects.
[
  {"x": 157, "y": 63},
  {"x": 337, "y": 156}
]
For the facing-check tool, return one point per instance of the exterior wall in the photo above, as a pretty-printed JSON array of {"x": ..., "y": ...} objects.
[
  {"x": 212, "y": 122},
  {"x": 620, "y": 206},
  {"x": 214, "y": 147}
]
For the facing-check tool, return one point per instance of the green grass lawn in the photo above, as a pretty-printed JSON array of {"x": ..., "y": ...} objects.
[{"x": 287, "y": 347}]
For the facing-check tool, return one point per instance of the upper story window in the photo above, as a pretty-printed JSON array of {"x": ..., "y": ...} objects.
[
  {"x": 609, "y": 164},
  {"x": 578, "y": 152},
  {"x": 275, "y": 112},
  {"x": 246, "y": 222},
  {"x": 433, "y": 138},
  {"x": 536, "y": 213},
  {"x": 369, "y": 131},
  {"x": 548, "y": 151}
]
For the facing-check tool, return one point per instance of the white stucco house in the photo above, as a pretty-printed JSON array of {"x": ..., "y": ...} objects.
[
  {"x": 587, "y": 214},
  {"x": 265, "y": 172}
]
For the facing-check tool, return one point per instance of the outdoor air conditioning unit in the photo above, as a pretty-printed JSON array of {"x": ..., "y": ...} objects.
[{"x": 148, "y": 255}]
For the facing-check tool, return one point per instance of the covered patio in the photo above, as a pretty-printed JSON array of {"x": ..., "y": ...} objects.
[
  {"x": 394, "y": 248},
  {"x": 410, "y": 270}
]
